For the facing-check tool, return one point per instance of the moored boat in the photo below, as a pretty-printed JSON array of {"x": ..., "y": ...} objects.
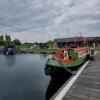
[{"x": 69, "y": 57}]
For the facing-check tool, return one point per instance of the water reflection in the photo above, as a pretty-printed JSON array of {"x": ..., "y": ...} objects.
[
  {"x": 58, "y": 77},
  {"x": 10, "y": 60},
  {"x": 44, "y": 56},
  {"x": 22, "y": 77}
]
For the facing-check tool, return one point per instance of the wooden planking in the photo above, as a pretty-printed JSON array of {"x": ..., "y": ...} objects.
[{"x": 87, "y": 86}]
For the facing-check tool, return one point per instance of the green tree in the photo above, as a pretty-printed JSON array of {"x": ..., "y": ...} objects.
[
  {"x": 7, "y": 38},
  {"x": 17, "y": 42},
  {"x": 50, "y": 43},
  {"x": 2, "y": 38},
  {"x": 2, "y": 42}
]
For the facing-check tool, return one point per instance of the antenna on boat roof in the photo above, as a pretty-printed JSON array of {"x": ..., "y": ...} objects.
[{"x": 67, "y": 35}]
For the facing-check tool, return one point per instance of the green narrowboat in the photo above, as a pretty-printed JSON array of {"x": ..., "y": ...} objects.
[{"x": 69, "y": 57}]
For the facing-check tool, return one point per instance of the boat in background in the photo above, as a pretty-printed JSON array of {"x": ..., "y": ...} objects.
[{"x": 69, "y": 58}]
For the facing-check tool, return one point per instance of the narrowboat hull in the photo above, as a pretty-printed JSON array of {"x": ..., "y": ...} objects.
[{"x": 72, "y": 64}]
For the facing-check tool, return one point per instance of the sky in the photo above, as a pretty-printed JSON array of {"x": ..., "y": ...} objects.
[{"x": 41, "y": 20}]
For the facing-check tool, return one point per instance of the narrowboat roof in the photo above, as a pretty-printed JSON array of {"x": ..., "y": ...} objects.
[
  {"x": 81, "y": 48},
  {"x": 76, "y": 49}
]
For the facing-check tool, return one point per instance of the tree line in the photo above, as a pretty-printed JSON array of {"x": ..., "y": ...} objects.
[
  {"x": 4, "y": 39},
  {"x": 7, "y": 38}
]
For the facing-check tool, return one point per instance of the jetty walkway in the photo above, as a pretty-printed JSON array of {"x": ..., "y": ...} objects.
[{"x": 86, "y": 85}]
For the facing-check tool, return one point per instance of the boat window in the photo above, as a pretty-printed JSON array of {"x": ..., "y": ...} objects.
[
  {"x": 86, "y": 51},
  {"x": 89, "y": 50}
]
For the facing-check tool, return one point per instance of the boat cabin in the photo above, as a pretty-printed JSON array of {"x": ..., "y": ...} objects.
[
  {"x": 69, "y": 54},
  {"x": 83, "y": 51},
  {"x": 65, "y": 55}
]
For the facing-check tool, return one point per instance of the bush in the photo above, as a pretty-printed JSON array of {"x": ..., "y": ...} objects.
[{"x": 17, "y": 42}]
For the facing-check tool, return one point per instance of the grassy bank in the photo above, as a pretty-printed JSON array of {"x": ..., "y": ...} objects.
[
  {"x": 29, "y": 49},
  {"x": 41, "y": 50},
  {"x": 23, "y": 46}
]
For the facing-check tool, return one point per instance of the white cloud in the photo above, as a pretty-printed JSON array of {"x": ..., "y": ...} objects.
[{"x": 33, "y": 19}]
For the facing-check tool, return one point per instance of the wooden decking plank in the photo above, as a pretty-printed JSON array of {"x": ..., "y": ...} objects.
[{"x": 87, "y": 86}]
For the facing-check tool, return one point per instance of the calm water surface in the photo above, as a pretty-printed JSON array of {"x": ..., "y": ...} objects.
[{"x": 22, "y": 77}]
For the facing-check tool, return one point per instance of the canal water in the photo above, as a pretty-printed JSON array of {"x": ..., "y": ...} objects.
[{"x": 23, "y": 77}]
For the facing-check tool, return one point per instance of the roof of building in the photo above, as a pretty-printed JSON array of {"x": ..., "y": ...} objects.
[{"x": 76, "y": 39}]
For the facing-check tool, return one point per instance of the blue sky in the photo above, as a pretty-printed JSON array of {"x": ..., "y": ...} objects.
[{"x": 39, "y": 20}]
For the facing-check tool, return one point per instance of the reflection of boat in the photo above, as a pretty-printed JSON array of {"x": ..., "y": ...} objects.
[
  {"x": 69, "y": 57},
  {"x": 58, "y": 77},
  {"x": 9, "y": 48}
]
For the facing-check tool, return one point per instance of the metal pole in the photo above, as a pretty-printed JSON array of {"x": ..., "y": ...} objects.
[
  {"x": 67, "y": 35},
  {"x": 49, "y": 36}
]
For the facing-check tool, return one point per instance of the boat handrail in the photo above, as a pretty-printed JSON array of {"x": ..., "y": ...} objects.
[{"x": 81, "y": 48}]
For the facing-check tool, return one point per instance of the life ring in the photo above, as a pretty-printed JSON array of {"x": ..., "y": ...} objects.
[
  {"x": 66, "y": 54},
  {"x": 58, "y": 52}
]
